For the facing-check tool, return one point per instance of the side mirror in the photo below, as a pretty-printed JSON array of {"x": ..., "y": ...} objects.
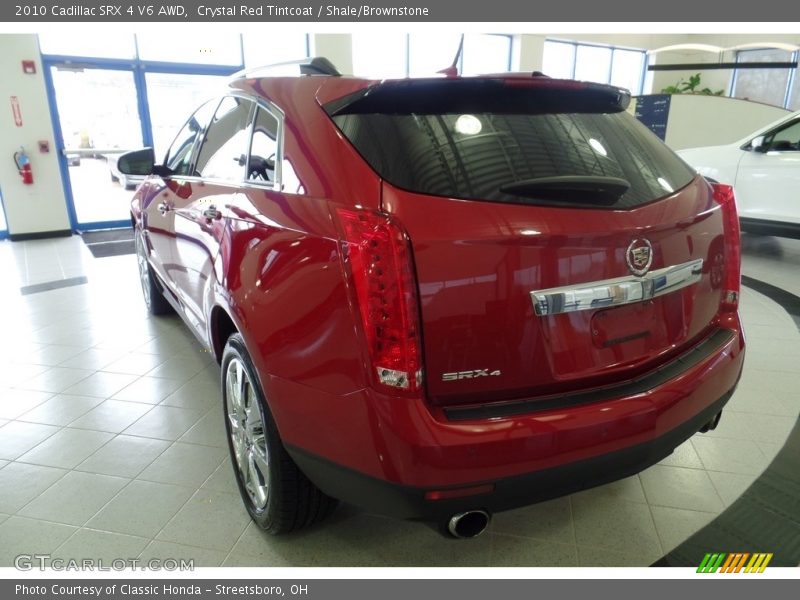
[
  {"x": 757, "y": 144},
  {"x": 137, "y": 162}
]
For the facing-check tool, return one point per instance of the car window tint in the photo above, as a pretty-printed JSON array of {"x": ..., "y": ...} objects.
[
  {"x": 264, "y": 147},
  {"x": 787, "y": 138},
  {"x": 472, "y": 156},
  {"x": 537, "y": 141},
  {"x": 224, "y": 150},
  {"x": 179, "y": 156}
]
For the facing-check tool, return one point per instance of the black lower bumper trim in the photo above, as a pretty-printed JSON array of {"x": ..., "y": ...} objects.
[
  {"x": 765, "y": 227},
  {"x": 653, "y": 379},
  {"x": 405, "y": 502}
]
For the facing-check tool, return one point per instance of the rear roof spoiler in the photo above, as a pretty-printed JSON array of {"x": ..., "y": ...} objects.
[{"x": 526, "y": 95}]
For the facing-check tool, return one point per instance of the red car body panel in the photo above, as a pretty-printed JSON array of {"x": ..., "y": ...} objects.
[
  {"x": 411, "y": 444},
  {"x": 274, "y": 263},
  {"x": 475, "y": 276}
]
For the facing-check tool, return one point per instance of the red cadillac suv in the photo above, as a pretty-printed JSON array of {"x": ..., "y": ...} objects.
[{"x": 440, "y": 298}]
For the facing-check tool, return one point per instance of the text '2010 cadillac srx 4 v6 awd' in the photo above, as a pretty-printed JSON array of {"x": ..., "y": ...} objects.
[{"x": 440, "y": 298}]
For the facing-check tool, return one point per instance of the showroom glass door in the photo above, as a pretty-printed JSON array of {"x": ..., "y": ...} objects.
[{"x": 99, "y": 118}]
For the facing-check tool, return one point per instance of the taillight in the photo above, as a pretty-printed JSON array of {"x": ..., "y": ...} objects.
[
  {"x": 724, "y": 196},
  {"x": 382, "y": 272}
]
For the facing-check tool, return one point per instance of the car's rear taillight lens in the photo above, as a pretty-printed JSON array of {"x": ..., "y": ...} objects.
[
  {"x": 382, "y": 271},
  {"x": 724, "y": 196}
]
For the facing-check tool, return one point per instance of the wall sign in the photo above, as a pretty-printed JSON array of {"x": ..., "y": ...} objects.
[
  {"x": 16, "y": 111},
  {"x": 653, "y": 111}
]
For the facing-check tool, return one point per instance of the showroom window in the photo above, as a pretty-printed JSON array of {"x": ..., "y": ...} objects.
[
  {"x": 778, "y": 87},
  {"x": 152, "y": 82},
  {"x": 106, "y": 45},
  {"x": 277, "y": 47},
  {"x": 486, "y": 53},
  {"x": 422, "y": 55},
  {"x": 250, "y": 50},
  {"x": 390, "y": 62},
  {"x": 623, "y": 67},
  {"x": 430, "y": 53},
  {"x": 169, "y": 95},
  {"x": 220, "y": 49}
]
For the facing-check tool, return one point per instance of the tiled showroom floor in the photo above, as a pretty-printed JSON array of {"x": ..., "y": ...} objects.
[{"x": 112, "y": 444}]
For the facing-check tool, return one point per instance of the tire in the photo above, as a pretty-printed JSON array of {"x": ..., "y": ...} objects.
[
  {"x": 153, "y": 296},
  {"x": 276, "y": 494}
]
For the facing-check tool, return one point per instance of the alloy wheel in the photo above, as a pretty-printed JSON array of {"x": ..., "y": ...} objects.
[
  {"x": 248, "y": 439},
  {"x": 144, "y": 272}
]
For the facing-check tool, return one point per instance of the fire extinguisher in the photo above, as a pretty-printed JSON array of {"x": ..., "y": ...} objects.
[{"x": 24, "y": 166}]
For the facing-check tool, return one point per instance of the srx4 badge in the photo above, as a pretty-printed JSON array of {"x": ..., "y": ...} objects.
[{"x": 473, "y": 374}]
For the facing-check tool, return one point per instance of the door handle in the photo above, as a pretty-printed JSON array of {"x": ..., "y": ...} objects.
[
  {"x": 163, "y": 208},
  {"x": 211, "y": 213}
]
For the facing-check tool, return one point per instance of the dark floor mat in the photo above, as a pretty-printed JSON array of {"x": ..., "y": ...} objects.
[{"x": 110, "y": 242}]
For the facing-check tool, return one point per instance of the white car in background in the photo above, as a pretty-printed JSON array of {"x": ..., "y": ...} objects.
[{"x": 764, "y": 168}]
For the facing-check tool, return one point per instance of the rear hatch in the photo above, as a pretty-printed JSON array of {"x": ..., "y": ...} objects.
[{"x": 558, "y": 244}]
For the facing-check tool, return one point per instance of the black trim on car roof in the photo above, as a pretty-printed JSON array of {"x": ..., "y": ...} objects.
[{"x": 468, "y": 95}]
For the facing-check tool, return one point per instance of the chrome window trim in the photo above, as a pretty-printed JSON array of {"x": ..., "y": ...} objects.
[
  {"x": 258, "y": 102},
  {"x": 616, "y": 292},
  {"x": 279, "y": 116}
]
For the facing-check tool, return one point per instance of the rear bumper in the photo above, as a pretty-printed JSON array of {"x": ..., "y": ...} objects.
[
  {"x": 385, "y": 453},
  {"x": 407, "y": 502}
]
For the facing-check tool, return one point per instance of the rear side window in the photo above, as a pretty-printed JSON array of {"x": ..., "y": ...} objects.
[{"x": 490, "y": 152}]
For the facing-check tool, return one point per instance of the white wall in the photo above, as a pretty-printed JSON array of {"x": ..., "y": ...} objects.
[
  {"x": 696, "y": 120},
  {"x": 40, "y": 207},
  {"x": 712, "y": 79}
]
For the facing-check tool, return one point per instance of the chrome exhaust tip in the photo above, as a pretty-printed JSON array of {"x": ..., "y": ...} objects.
[
  {"x": 712, "y": 424},
  {"x": 468, "y": 524}
]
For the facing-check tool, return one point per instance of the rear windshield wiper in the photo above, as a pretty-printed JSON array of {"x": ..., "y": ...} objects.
[{"x": 586, "y": 189}]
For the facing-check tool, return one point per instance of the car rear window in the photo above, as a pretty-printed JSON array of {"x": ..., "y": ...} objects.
[{"x": 469, "y": 142}]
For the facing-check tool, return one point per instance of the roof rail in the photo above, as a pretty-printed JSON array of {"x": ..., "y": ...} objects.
[{"x": 315, "y": 65}]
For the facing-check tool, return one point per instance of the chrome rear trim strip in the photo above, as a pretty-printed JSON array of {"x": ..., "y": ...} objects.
[{"x": 616, "y": 292}]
